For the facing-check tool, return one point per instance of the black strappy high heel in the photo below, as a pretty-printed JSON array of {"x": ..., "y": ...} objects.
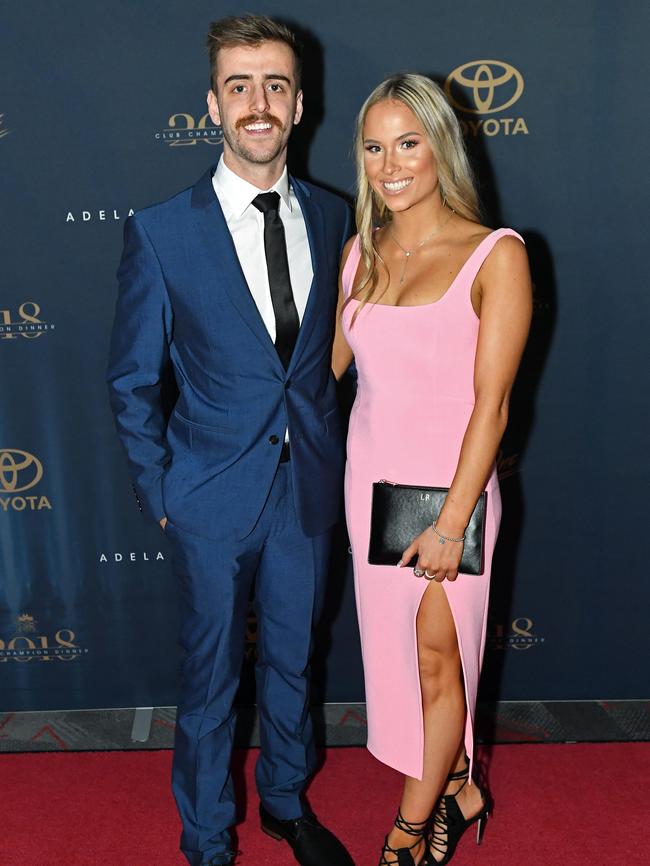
[
  {"x": 403, "y": 855},
  {"x": 448, "y": 822}
]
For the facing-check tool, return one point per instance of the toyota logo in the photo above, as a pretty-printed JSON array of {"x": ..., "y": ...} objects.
[
  {"x": 19, "y": 470},
  {"x": 490, "y": 85}
]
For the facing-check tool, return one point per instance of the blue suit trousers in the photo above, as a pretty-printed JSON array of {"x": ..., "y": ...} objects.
[{"x": 288, "y": 570}]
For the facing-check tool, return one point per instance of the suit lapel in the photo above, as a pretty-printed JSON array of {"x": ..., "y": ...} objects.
[
  {"x": 315, "y": 234},
  {"x": 216, "y": 240}
]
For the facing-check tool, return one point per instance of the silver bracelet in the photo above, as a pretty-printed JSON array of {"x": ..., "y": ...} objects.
[{"x": 444, "y": 538}]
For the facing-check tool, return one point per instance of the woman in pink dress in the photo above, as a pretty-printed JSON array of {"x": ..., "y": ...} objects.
[{"x": 435, "y": 309}]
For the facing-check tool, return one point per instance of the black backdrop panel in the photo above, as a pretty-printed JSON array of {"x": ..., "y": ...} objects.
[{"x": 103, "y": 111}]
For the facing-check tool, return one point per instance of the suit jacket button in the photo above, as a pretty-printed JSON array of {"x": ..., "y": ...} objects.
[{"x": 273, "y": 439}]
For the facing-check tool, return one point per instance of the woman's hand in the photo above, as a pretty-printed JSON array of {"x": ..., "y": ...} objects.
[{"x": 436, "y": 560}]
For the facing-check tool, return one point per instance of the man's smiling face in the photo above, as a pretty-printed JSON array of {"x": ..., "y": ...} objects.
[{"x": 256, "y": 103}]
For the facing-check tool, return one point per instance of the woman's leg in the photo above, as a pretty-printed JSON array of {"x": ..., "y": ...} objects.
[
  {"x": 468, "y": 797},
  {"x": 443, "y": 704}
]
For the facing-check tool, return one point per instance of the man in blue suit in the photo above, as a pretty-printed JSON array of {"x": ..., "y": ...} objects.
[{"x": 233, "y": 282}]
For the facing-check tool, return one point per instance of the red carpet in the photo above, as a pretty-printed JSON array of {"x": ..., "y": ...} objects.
[{"x": 556, "y": 805}]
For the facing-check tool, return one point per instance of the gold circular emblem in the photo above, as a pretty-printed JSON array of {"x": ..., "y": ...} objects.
[
  {"x": 15, "y": 463},
  {"x": 482, "y": 78}
]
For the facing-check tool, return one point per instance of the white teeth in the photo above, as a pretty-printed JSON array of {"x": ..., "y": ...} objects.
[
  {"x": 396, "y": 185},
  {"x": 258, "y": 127}
]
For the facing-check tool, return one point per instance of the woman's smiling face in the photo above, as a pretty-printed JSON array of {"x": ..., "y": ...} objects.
[{"x": 398, "y": 159}]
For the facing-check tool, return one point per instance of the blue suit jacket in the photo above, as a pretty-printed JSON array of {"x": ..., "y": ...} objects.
[{"x": 183, "y": 298}]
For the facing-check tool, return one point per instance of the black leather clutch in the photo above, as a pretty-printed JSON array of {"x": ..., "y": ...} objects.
[{"x": 400, "y": 512}]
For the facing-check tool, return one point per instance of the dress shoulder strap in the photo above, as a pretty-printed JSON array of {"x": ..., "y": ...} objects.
[
  {"x": 351, "y": 265},
  {"x": 473, "y": 264}
]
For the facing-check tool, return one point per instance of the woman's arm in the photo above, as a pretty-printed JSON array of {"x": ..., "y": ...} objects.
[
  {"x": 506, "y": 308},
  {"x": 341, "y": 353}
]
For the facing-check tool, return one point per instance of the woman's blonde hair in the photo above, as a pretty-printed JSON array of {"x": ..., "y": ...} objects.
[{"x": 456, "y": 180}]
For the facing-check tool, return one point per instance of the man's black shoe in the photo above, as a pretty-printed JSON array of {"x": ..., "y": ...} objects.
[{"x": 313, "y": 844}]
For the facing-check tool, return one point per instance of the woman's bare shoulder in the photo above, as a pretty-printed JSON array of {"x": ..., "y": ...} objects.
[{"x": 506, "y": 264}]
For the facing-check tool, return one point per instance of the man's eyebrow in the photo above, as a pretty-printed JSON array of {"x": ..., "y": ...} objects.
[{"x": 269, "y": 77}]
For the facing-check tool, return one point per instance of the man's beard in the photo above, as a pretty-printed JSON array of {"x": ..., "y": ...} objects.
[{"x": 257, "y": 156}]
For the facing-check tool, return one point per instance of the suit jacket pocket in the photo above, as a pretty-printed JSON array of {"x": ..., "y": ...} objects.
[{"x": 216, "y": 428}]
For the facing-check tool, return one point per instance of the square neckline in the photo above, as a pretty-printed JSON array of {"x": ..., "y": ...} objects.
[{"x": 430, "y": 303}]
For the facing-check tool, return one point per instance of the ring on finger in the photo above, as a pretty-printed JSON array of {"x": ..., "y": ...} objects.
[
  {"x": 429, "y": 576},
  {"x": 418, "y": 572}
]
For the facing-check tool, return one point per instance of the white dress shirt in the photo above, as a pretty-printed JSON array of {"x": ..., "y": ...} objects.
[{"x": 246, "y": 225}]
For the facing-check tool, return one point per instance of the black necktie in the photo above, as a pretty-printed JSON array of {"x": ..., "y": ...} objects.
[{"x": 275, "y": 249}]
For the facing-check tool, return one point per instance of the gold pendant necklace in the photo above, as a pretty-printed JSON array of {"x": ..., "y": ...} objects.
[{"x": 409, "y": 253}]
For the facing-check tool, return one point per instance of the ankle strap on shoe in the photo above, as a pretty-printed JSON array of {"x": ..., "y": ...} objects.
[
  {"x": 457, "y": 777},
  {"x": 411, "y": 828},
  {"x": 460, "y": 774}
]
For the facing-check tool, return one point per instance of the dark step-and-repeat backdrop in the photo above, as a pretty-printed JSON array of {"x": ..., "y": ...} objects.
[{"x": 102, "y": 112}]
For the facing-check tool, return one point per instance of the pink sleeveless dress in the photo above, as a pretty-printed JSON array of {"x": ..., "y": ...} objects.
[{"x": 415, "y": 395}]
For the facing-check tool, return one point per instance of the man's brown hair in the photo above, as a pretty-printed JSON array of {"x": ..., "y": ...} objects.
[{"x": 250, "y": 30}]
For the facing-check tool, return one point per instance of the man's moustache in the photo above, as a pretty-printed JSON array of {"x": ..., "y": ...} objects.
[{"x": 259, "y": 118}]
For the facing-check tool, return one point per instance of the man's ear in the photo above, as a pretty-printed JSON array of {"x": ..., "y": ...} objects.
[
  {"x": 213, "y": 108},
  {"x": 299, "y": 108}
]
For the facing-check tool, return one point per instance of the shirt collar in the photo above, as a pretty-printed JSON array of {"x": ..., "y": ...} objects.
[{"x": 239, "y": 193}]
